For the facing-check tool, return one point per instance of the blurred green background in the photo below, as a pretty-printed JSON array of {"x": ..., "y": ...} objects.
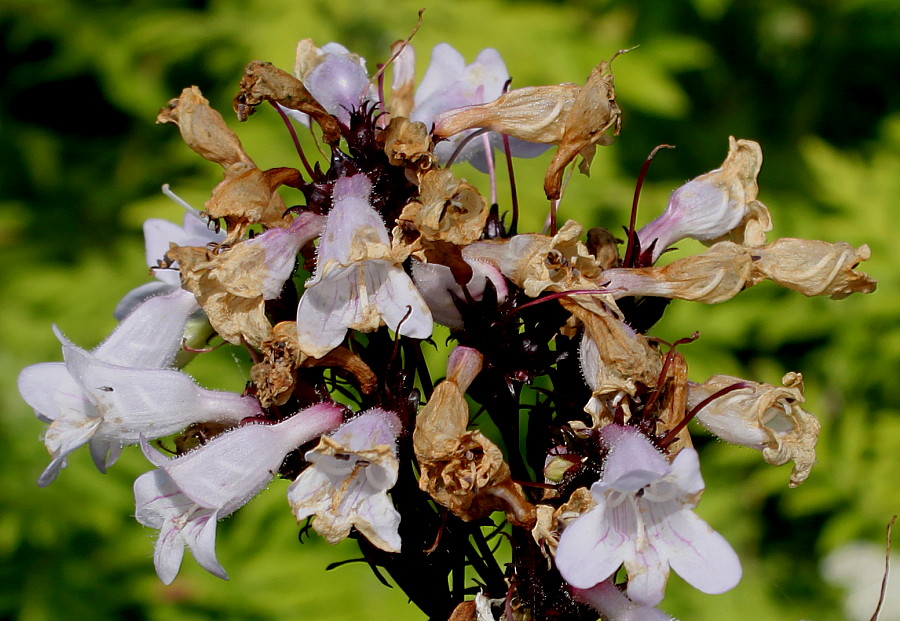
[{"x": 814, "y": 82}]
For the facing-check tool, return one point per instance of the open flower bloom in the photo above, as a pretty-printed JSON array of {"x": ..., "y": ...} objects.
[
  {"x": 121, "y": 390},
  {"x": 711, "y": 206},
  {"x": 643, "y": 518},
  {"x": 187, "y": 495},
  {"x": 357, "y": 283},
  {"x": 347, "y": 482},
  {"x": 763, "y": 417}
]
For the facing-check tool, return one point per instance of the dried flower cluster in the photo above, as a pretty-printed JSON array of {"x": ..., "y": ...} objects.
[{"x": 333, "y": 298}]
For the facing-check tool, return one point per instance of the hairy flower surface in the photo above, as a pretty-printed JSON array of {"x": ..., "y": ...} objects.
[
  {"x": 346, "y": 485},
  {"x": 187, "y": 495},
  {"x": 643, "y": 518},
  {"x": 357, "y": 284},
  {"x": 122, "y": 390}
]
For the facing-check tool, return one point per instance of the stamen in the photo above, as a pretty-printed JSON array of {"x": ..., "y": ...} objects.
[
  {"x": 184, "y": 204},
  {"x": 561, "y": 294},
  {"x": 514, "y": 196}
]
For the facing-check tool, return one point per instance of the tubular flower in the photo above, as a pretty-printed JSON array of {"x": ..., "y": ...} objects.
[
  {"x": 333, "y": 75},
  {"x": 713, "y": 205},
  {"x": 186, "y": 496},
  {"x": 357, "y": 284},
  {"x": 643, "y": 518},
  {"x": 122, "y": 390}
]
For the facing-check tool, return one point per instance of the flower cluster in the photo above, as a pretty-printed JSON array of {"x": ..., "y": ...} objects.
[{"x": 592, "y": 477}]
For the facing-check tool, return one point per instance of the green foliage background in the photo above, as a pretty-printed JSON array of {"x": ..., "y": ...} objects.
[{"x": 813, "y": 81}]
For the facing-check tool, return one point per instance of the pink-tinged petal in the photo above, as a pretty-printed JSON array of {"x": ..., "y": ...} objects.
[
  {"x": 281, "y": 248},
  {"x": 340, "y": 84},
  {"x": 61, "y": 438},
  {"x": 373, "y": 427},
  {"x": 648, "y": 573},
  {"x": 151, "y": 335},
  {"x": 447, "y": 65},
  {"x": 351, "y": 212},
  {"x": 168, "y": 553},
  {"x": 435, "y": 283},
  {"x": 327, "y": 310},
  {"x": 167, "y": 283},
  {"x": 232, "y": 468},
  {"x": 104, "y": 452},
  {"x": 590, "y": 549},
  {"x": 685, "y": 474},
  {"x": 613, "y": 604},
  {"x": 158, "y": 234},
  {"x": 696, "y": 552}
]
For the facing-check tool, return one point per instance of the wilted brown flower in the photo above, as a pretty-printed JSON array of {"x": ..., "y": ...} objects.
[
  {"x": 460, "y": 469},
  {"x": 764, "y": 417}
]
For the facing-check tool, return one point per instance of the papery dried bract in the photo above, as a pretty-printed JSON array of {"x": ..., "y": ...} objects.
[
  {"x": 204, "y": 130},
  {"x": 764, "y": 417},
  {"x": 447, "y": 209},
  {"x": 408, "y": 143},
  {"x": 533, "y": 114},
  {"x": 717, "y": 275},
  {"x": 232, "y": 285},
  {"x": 615, "y": 360},
  {"x": 247, "y": 195},
  {"x": 538, "y": 263},
  {"x": 810, "y": 267}
]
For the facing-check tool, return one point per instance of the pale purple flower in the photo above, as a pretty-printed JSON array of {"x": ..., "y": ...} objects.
[
  {"x": 277, "y": 248},
  {"x": 158, "y": 234},
  {"x": 347, "y": 481},
  {"x": 711, "y": 205},
  {"x": 450, "y": 83},
  {"x": 357, "y": 283},
  {"x": 187, "y": 495},
  {"x": 122, "y": 390},
  {"x": 643, "y": 518},
  {"x": 335, "y": 77},
  {"x": 440, "y": 290}
]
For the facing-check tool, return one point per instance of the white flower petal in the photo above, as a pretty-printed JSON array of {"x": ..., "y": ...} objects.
[{"x": 590, "y": 549}]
